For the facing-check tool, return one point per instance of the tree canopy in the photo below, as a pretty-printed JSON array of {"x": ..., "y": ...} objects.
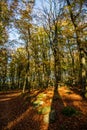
[{"x": 54, "y": 49}]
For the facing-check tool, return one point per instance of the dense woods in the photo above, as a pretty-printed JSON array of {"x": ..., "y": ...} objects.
[
  {"x": 54, "y": 44},
  {"x": 43, "y": 64}
]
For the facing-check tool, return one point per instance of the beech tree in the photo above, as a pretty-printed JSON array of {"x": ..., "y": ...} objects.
[
  {"x": 51, "y": 22},
  {"x": 6, "y": 14},
  {"x": 76, "y": 11},
  {"x": 24, "y": 26}
]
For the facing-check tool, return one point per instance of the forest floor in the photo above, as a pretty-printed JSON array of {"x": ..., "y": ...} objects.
[{"x": 32, "y": 111}]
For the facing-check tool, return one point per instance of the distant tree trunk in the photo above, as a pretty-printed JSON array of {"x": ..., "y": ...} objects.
[
  {"x": 18, "y": 80},
  {"x": 72, "y": 60},
  {"x": 82, "y": 76},
  {"x": 82, "y": 62},
  {"x": 46, "y": 70},
  {"x": 27, "y": 81},
  {"x": 12, "y": 82}
]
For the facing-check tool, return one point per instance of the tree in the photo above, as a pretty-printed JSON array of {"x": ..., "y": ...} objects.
[
  {"x": 24, "y": 26},
  {"x": 78, "y": 28},
  {"x": 6, "y": 14},
  {"x": 50, "y": 20},
  {"x": 3, "y": 67},
  {"x": 41, "y": 55},
  {"x": 17, "y": 68}
]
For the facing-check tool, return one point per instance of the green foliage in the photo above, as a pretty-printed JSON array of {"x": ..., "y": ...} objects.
[
  {"x": 44, "y": 110},
  {"x": 86, "y": 95},
  {"x": 69, "y": 111},
  {"x": 41, "y": 96},
  {"x": 37, "y": 103}
]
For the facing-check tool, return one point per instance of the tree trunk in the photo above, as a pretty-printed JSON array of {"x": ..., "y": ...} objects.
[
  {"x": 57, "y": 67},
  {"x": 27, "y": 82}
]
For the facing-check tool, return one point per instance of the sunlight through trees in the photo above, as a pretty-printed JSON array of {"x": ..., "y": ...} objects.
[{"x": 54, "y": 49}]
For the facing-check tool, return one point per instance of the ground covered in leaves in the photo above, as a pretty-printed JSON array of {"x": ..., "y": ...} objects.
[{"x": 43, "y": 110}]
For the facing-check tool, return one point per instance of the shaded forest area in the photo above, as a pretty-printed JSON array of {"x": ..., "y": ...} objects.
[{"x": 43, "y": 53}]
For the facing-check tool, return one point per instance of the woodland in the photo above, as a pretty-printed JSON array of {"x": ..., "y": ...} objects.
[{"x": 43, "y": 69}]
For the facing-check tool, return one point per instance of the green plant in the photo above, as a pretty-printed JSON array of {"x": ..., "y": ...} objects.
[{"x": 69, "y": 111}]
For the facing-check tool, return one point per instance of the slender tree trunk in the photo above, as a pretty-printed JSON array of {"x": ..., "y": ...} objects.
[{"x": 27, "y": 81}]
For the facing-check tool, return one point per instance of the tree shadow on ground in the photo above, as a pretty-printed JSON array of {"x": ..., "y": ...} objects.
[
  {"x": 75, "y": 100},
  {"x": 77, "y": 89},
  {"x": 16, "y": 113},
  {"x": 55, "y": 113},
  {"x": 67, "y": 100}
]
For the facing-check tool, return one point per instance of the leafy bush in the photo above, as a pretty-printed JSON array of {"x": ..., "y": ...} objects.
[{"x": 69, "y": 111}]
